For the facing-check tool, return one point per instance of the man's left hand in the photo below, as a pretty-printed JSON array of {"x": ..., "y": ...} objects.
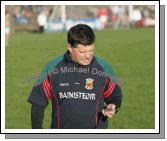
[{"x": 109, "y": 111}]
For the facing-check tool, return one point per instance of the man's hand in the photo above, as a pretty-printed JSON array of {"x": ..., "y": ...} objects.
[{"x": 109, "y": 111}]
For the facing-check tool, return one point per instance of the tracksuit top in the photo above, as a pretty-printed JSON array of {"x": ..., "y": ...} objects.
[{"x": 78, "y": 93}]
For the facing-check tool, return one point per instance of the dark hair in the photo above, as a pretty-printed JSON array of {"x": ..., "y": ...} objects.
[{"x": 80, "y": 34}]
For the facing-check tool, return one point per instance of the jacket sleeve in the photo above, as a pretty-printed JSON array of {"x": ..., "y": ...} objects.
[
  {"x": 39, "y": 98},
  {"x": 113, "y": 94},
  {"x": 41, "y": 92},
  {"x": 37, "y": 115}
]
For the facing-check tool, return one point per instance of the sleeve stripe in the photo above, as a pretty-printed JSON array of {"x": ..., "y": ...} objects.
[
  {"x": 110, "y": 89},
  {"x": 47, "y": 83},
  {"x": 46, "y": 91},
  {"x": 107, "y": 93},
  {"x": 46, "y": 88}
]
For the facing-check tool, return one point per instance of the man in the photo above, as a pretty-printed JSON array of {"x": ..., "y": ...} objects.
[
  {"x": 42, "y": 20},
  {"x": 7, "y": 27},
  {"x": 78, "y": 84}
]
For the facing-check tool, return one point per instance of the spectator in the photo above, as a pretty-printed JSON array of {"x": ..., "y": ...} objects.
[
  {"x": 42, "y": 21},
  {"x": 103, "y": 16},
  {"x": 19, "y": 17},
  {"x": 7, "y": 27}
]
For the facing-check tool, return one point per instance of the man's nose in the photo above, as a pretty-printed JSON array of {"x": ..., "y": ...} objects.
[{"x": 88, "y": 55}]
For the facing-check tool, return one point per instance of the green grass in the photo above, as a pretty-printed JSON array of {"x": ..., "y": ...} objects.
[{"x": 130, "y": 51}]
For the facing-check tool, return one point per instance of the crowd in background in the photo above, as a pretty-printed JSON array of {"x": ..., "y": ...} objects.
[{"x": 36, "y": 18}]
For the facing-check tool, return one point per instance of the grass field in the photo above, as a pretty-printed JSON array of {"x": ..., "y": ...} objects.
[{"x": 130, "y": 52}]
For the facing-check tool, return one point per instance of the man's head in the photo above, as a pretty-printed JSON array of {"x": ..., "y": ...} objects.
[{"x": 81, "y": 45}]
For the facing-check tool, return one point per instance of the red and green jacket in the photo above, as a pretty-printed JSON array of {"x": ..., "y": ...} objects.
[{"x": 77, "y": 93}]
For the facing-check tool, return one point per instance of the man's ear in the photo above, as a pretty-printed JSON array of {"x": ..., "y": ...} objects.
[{"x": 69, "y": 48}]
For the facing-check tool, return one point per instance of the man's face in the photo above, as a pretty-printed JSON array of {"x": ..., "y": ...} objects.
[{"x": 81, "y": 54}]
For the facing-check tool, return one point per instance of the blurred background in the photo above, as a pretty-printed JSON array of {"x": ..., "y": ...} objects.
[
  {"x": 125, "y": 37},
  {"x": 62, "y": 17}
]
